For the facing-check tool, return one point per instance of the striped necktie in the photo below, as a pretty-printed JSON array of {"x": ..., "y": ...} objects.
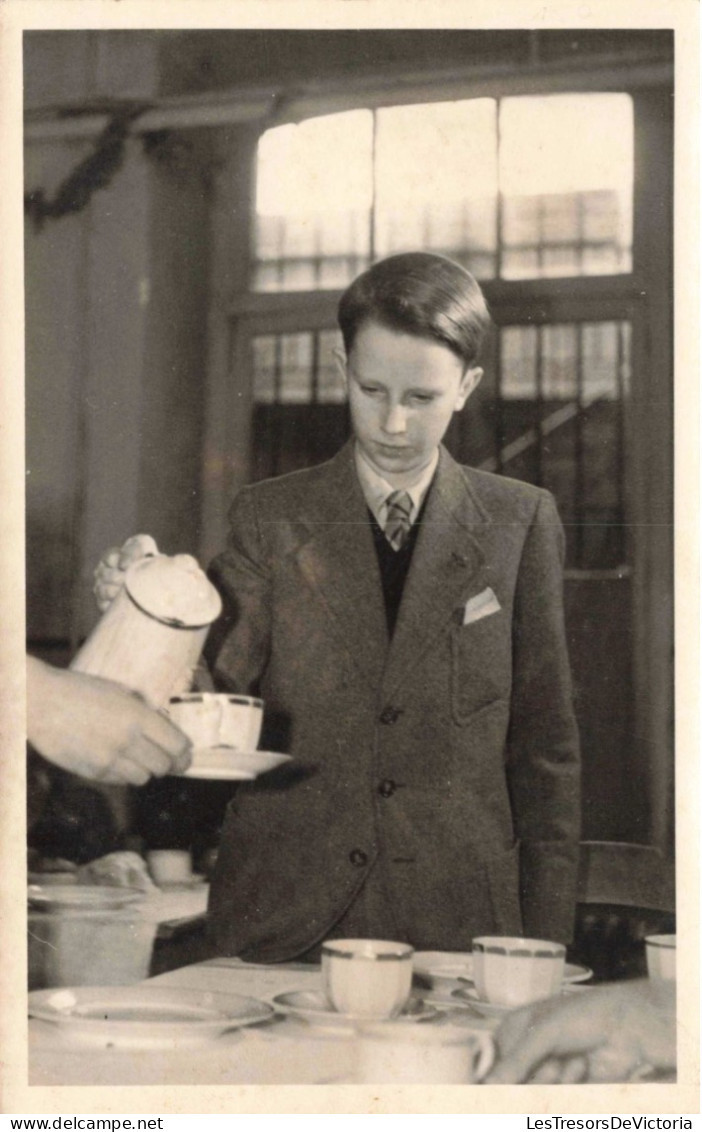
[{"x": 397, "y": 525}]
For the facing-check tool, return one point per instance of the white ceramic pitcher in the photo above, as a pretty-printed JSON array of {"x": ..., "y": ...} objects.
[{"x": 151, "y": 636}]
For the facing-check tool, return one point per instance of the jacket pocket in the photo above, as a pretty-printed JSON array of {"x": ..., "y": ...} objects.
[
  {"x": 480, "y": 667},
  {"x": 503, "y": 883}
]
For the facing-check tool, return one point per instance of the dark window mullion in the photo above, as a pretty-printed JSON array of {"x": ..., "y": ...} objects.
[
  {"x": 539, "y": 405},
  {"x": 580, "y": 486},
  {"x": 499, "y": 402},
  {"x": 621, "y": 444},
  {"x": 280, "y": 243},
  {"x": 278, "y": 370},
  {"x": 374, "y": 195},
  {"x": 314, "y": 373},
  {"x": 317, "y": 255},
  {"x": 499, "y": 203},
  {"x": 580, "y": 230},
  {"x": 539, "y": 235},
  {"x": 276, "y": 407}
]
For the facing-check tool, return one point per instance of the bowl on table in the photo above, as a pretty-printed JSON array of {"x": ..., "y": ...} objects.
[
  {"x": 60, "y": 898},
  {"x": 89, "y": 946}
]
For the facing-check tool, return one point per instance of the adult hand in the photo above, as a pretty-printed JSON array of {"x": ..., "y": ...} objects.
[
  {"x": 111, "y": 569},
  {"x": 98, "y": 729},
  {"x": 611, "y": 1033}
]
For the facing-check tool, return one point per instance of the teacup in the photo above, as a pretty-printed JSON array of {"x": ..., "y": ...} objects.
[
  {"x": 212, "y": 719},
  {"x": 170, "y": 866},
  {"x": 367, "y": 978},
  {"x": 661, "y": 956},
  {"x": 391, "y": 1052},
  {"x": 511, "y": 971}
]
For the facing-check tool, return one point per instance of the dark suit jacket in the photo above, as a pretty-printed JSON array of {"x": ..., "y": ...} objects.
[{"x": 448, "y": 754}]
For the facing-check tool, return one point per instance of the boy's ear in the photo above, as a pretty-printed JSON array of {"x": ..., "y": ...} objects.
[{"x": 469, "y": 382}]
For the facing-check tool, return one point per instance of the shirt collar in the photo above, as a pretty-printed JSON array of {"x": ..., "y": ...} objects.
[{"x": 376, "y": 489}]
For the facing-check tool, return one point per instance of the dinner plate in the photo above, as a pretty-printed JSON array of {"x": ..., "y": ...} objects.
[
  {"x": 80, "y": 897},
  {"x": 469, "y": 995},
  {"x": 226, "y": 764},
  {"x": 144, "y": 1016},
  {"x": 312, "y": 1006}
]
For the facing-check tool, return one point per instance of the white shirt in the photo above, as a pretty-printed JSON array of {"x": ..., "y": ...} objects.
[{"x": 376, "y": 490}]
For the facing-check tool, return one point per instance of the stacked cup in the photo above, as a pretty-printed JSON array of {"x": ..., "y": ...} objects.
[{"x": 371, "y": 981}]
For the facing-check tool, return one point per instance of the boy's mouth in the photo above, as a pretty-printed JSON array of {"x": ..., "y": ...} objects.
[{"x": 394, "y": 449}]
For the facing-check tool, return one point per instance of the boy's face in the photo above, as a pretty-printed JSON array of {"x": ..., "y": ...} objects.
[{"x": 403, "y": 391}]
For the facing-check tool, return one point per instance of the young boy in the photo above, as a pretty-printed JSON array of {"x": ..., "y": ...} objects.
[
  {"x": 411, "y": 656},
  {"x": 402, "y": 618}
]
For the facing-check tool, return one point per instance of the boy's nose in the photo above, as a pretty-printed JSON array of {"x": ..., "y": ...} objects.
[{"x": 395, "y": 419}]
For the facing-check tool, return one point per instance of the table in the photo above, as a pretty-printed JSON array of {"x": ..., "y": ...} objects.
[{"x": 283, "y": 1051}]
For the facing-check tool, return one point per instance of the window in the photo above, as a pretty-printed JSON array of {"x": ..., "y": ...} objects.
[
  {"x": 560, "y": 423},
  {"x": 577, "y": 390},
  {"x": 482, "y": 180},
  {"x": 485, "y": 181}
]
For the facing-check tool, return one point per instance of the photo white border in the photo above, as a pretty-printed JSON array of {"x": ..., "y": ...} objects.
[{"x": 19, "y": 15}]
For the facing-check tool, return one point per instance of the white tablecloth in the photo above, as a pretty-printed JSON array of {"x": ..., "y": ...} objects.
[{"x": 283, "y": 1051}]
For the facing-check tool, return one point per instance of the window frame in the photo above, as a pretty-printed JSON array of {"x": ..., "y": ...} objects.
[{"x": 643, "y": 296}]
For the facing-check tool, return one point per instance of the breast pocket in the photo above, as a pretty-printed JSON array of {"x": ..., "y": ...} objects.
[{"x": 481, "y": 665}]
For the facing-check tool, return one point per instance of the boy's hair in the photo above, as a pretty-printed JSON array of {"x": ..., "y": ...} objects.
[{"x": 418, "y": 293}]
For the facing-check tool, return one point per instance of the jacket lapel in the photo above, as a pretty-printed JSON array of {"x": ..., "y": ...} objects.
[
  {"x": 340, "y": 564},
  {"x": 448, "y": 567}
]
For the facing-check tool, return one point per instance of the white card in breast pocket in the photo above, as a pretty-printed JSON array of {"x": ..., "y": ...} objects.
[{"x": 482, "y": 605}]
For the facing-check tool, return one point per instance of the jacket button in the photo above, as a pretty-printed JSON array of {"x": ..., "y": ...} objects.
[
  {"x": 387, "y": 788},
  {"x": 358, "y": 858},
  {"x": 390, "y": 715}
]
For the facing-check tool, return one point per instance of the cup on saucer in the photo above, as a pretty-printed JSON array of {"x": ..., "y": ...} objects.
[
  {"x": 170, "y": 866},
  {"x": 660, "y": 956},
  {"x": 367, "y": 978},
  {"x": 217, "y": 722},
  {"x": 511, "y": 971}
]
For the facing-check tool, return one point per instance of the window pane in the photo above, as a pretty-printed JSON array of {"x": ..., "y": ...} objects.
[
  {"x": 265, "y": 365},
  {"x": 564, "y": 170},
  {"x": 436, "y": 181},
  {"x": 559, "y": 363},
  {"x": 561, "y": 400},
  {"x": 566, "y": 175},
  {"x": 313, "y": 200},
  {"x": 519, "y": 360},
  {"x": 283, "y": 368},
  {"x": 297, "y": 369}
]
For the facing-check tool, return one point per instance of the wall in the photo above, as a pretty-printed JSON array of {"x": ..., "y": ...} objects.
[{"x": 116, "y": 320}]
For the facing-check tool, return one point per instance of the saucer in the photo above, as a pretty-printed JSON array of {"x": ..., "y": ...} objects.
[
  {"x": 443, "y": 969},
  {"x": 469, "y": 995},
  {"x": 574, "y": 973},
  {"x": 450, "y": 968},
  {"x": 228, "y": 764},
  {"x": 312, "y": 1007}
]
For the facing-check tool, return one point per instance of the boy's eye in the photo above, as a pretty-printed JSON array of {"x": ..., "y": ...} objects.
[
  {"x": 422, "y": 398},
  {"x": 370, "y": 389}
]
